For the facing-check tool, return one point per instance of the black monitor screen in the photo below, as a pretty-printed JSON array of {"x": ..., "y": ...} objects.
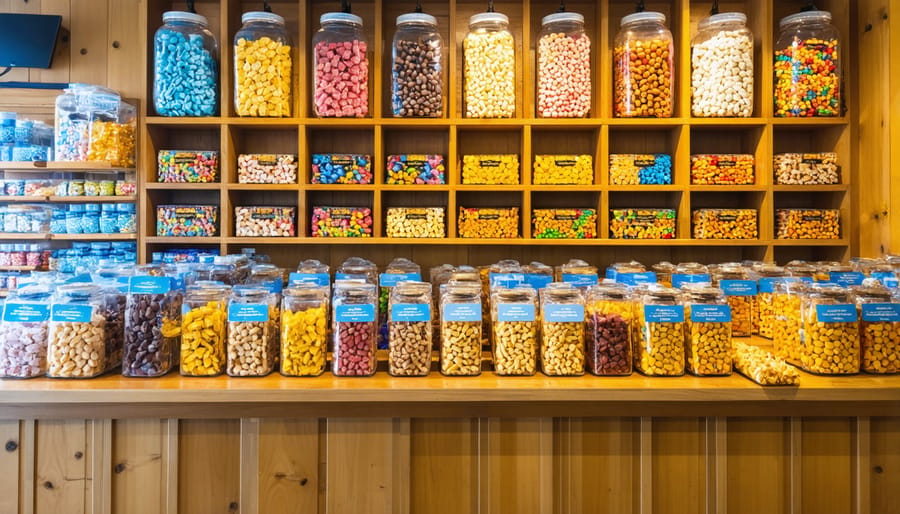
[{"x": 28, "y": 40}]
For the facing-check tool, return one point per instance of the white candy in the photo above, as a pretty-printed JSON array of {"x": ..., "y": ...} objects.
[{"x": 722, "y": 75}]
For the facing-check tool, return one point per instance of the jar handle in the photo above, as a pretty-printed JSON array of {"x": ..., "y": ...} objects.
[{"x": 190, "y": 6}]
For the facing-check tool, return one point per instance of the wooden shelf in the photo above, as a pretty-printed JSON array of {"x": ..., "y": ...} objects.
[
  {"x": 22, "y": 199},
  {"x": 20, "y": 268},
  {"x": 181, "y": 186},
  {"x": 840, "y": 188},
  {"x": 80, "y": 167},
  {"x": 13, "y": 236},
  {"x": 182, "y": 241},
  {"x": 93, "y": 237}
]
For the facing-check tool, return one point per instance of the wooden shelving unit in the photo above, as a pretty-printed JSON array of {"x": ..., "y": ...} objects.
[{"x": 453, "y": 136}]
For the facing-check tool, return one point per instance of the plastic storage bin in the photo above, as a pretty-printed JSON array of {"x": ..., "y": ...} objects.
[
  {"x": 722, "y": 169},
  {"x": 514, "y": 333},
  {"x": 610, "y": 315},
  {"x": 707, "y": 332},
  {"x": 355, "y": 324},
  {"x": 24, "y": 333},
  {"x": 831, "y": 342},
  {"x": 660, "y": 324},
  {"x": 806, "y": 168},
  {"x": 564, "y": 223},
  {"x": 409, "y": 329},
  {"x": 341, "y": 222},
  {"x": 460, "y": 329},
  {"x": 725, "y": 224},
  {"x": 253, "y": 221},
  {"x": 562, "y": 330},
  {"x": 643, "y": 169},
  {"x": 500, "y": 169},
  {"x": 152, "y": 322},
  {"x": 502, "y": 223},
  {"x": 807, "y": 224},
  {"x": 415, "y": 222},
  {"x": 341, "y": 169},
  {"x": 252, "y": 347},
  {"x": 76, "y": 343},
  {"x": 203, "y": 329},
  {"x": 563, "y": 170},
  {"x": 304, "y": 330},
  {"x": 642, "y": 224}
]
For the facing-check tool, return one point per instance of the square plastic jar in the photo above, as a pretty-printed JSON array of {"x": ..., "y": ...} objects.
[
  {"x": 499, "y": 169},
  {"x": 187, "y": 166},
  {"x": 564, "y": 223},
  {"x": 563, "y": 170},
  {"x": 415, "y": 222},
  {"x": 642, "y": 224},
  {"x": 253, "y": 221},
  {"x": 341, "y": 169},
  {"x": 640, "y": 169},
  {"x": 186, "y": 220},
  {"x": 341, "y": 222},
  {"x": 267, "y": 169},
  {"x": 488, "y": 223},
  {"x": 725, "y": 224},
  {"x": 723, "y": 169},
  {"x": 806, "y": 168},
  {"x": 807, "y": 224}
]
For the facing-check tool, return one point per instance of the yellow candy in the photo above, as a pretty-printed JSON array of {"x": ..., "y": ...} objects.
[
  {"x": 491, "y": 169},
  {"x": 304, "y": 338},
  {"x": 113, "y": 143},
  {"x": 203, "y": 340},
  {"x": 563, "y": 169},
  {"x": 263, "y": 84}
]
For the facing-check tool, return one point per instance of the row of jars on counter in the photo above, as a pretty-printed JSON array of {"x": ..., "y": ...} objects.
[
  {"x": 807, "y": 74},
  {"x": 90, "y": 218}
]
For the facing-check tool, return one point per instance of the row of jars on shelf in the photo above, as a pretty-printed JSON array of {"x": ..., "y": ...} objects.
[{"x": 807, "y": 72}]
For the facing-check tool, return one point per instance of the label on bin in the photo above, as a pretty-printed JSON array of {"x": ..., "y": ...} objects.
[
  {"x": 351, "y": 276},
  {"x": 726, "y": 163},
  {"x": 701, "y": 313},
  {"x": 410, "y": 312},
  {"x": 738, "y": 287},
  {"x": 839, "y": 313},
  {"x": 462, "y": 312},
  {"x": 767, "y": 284},
  {"x": 580, "y": 280},
  {"x": 664, "y": 313},
  {"x": 71, "y": 313},
  {"x": 812, "y": 158},
  {"x": 679, "y": 279},
  {"x": 886, "y": 277},
  {"x": 515, "y": 312},
  {"x": 276, "y": 285},
  {"x": 846, "y": 278},
  {"x": 645, "y": 162},
  {"x": 26, "y": 312},
  {"x": 248, "y": 312},
  {"x": 354, "y": 313},
  {"x": 538, "y": 281},
  {"x": 565, "y": 163},
  {"x": 507, "y": 279},
  {"x": 392, "y": 279},
  {"x": 633, "y": 279},
  {"x": 149, "y": 285},
  {"x": 489, "y": 163},
  {"x": 877, "y": 312},
  {"x": 564, "y": 313},
  {"x": 320, "y": 279}
]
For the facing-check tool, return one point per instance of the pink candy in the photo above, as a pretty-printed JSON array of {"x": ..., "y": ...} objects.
[
  {"x": 341, "y": 79},
  {"x": 354, "y": 349}
]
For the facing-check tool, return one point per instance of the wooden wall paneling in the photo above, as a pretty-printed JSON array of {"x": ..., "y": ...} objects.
[
  {"x": 288, "y": 466},
  {"x": 127, "y": 32},
  {"x": 138, "y": 473},
  {"x": 443, "y": 466},
  {"x": 209, "y": 466},
  {"x": 249, "y": 478},
  {"x": 825, "y": 456},
  {"x": 10, "y": 463},
  {"x": 28, "y": 462},
  {"x": 893, "y": 74},
  {"x": 861, "y": 445},
  {"x": 89, "y": 28},
  {"x": 100, "y": 485},
  {"x": 883, "y": 472},
  {"x": 60, "y": 67},
  {"x": 514, "y": 455},
  {"x": 679, "y": 465},
  {"x": 62, "y": 469},
  {"x": 758, "y": 466}
]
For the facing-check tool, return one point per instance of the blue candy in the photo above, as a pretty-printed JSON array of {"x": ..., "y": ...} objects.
[
  {"x": 658, "y": 174},
  {"x": 185, "y": 76}
]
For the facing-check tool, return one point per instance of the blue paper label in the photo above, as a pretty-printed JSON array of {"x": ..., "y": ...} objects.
[
  {"x": 354, "y": 313},
  {"x": 392, "y": 279},
  {"x": 610, "y": 273},
  {"x": 841, "y": 313},
  {"x": 320, "y": 279},
  {"x": 887, "y": 278},
  {"x": 664, "y": 313},
  {"x": 26, "y": 312},
  {"x": 680, "y": 279},
  {"x": 515, "y": 312},
  {"x": 274, "y": 286},
  {"x": 84, "y": 278},
  {"x": 564, "y": 313},
  {"x": 881, "y": 312},
  {"x": 579, "y": 280},
  {"x": 149, "y": 285},
  {"x": 738, "y": 287},
  {"x": 248, "y": 312},
  {"x": 538, "y": 282},
  {"x": 847, "y": 278},
  {"x": 633, "y": 279},
  {"x": 410, "y": 312},
  {"x": 71, "y": 313},
  {"x": 507, "y": 279},
  {"x": 351, "y": 276},
  {"x": 701, "y": 313},
  {"x": 462, "y": 312}
]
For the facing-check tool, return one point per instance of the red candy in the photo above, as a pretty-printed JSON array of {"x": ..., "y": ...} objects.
[
  {"x": 341, "y": 79},
  {"x": 354, "y": 348}
]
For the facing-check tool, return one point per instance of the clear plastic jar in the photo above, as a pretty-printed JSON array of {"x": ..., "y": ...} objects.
[
  {"x": 262, "y": 66},
  {"x": 690, "y": 273},
  {"x": 311, "y": 271},
  {"x": 113, "y": 278},
  {"x": 113, "y": 140},
  {"x": 203, "y": 329},
  {"x": 610, "y": 315},
  {"x": 185, "y": 66},
  {"x": 506, "y": 273},
  {"x": 489, "y": 73},
  {"x": 807, "y": 66},
  {"x": 409, "y": 329},
  {"x": 660, "y": 317},
  {"x": 643, "y": 60},
  {"x": 340, "y": 67},
  {"x": 417, "y": 80},
  {"x": 514, "y": 331},
  {"x": 23, "y": 333},
  {"x": 461, "y": 329},
  {"x": 740, "y": 293},
  {"x": 722, "y": 67},
  {"x": 252, "y": 346},
  {"x": 562, "y": 330},
  {"x": 355, "y": 316},
  {"x": 787, "y": 323},
  {"x": 564, "y": 67},
  {"x": 879, "y": 329},
  {"x": 769, "y": 275},
  {"x": 76, "y": 110},
  {"x": 76, "y": 344},
  {"x": 357, "y": 268},
  {"x": 664, "y": 272},
  {"x": 538, "y": 275},
  {"x": 842, "y": 275},
  {"x": 707, "y": 332},
  {"x": 578, "y": 273},
  {"x": 304, "y": 330},
  {"x": 399, "y": 270},
  {"x": 830, "y": 343},
  {"x": 152, "y": 322}
]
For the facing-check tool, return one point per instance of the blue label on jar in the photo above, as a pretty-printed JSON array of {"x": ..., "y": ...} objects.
[
  {"x": 462, "y": 312},
  {"x": 320, "y": 279},
  {"x": 274, "y": 286},
  {"x": 410, "y": 312},
  {"x": 392, "y": 279},
  {"x": 701, "y": 313},
  {"x": 515, "y": 312},
  {"x": 537, "y": 281},
  {"x": 149, "y": 285},
  {"x": 738, "y": 287},
  {"x": 84, "y": 278},
  {"x": 680, "y": 279},
  {"x": 564, "y": 313},
  {"x": 351, "y": 276},
  {"x": 840, "y": 313},
  {"x": 664, "y": 313},
  {"x": 633, "y": 279},
  {"x": 846, "y": 278},
  {"x": 507, "y": 279},
  {"x": 610, "y": 273},
  {"x": 248, "y": 312},
  {"x": 886, "y": 277},
  {"x": 881, "y": 312},
  {"x": 354, "y": 313},
  {"x": 580, "y": 280},
  {"x": 26, "y": 312},
  {"x": 71, "y": 313}
]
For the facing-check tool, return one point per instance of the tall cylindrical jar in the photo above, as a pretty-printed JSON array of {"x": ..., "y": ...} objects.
[
  {"x": 76, "y": 347},
  {"x": 461, "y": 329},
  {"x": 808, "y": 66},
  {"x": 564, "y": 67},
  {"x": 355, "y": 322},
  {"x": 514, "y": 341},
  {"x": 263, "y": 68},
  {"x": 304, "y": 330},
  {"x": 185, "y": 66},
  {"x": 643, "y": 60},
  {"x": 610, "y": 314},
  {"x": 417, "y": 80},
  {"x": 23, "y": 333},
  {"x": 409, "y": 329},
  {"x": 203, "y": 329},
  {"x": 252, "y": 345},
  {"x": 722, "y": 67},
  {"x": 340, "y": 67},
  {"x": 152, "y": 322},
  {"x": 489, "y": 73},
  {"x": 562, "y": 330}
]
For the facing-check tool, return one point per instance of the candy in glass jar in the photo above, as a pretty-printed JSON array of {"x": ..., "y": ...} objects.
[
  {"x": 643, "y": 59},
  {"x": 417, "y": 81},
  {"x": 808, "y": 66}
]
